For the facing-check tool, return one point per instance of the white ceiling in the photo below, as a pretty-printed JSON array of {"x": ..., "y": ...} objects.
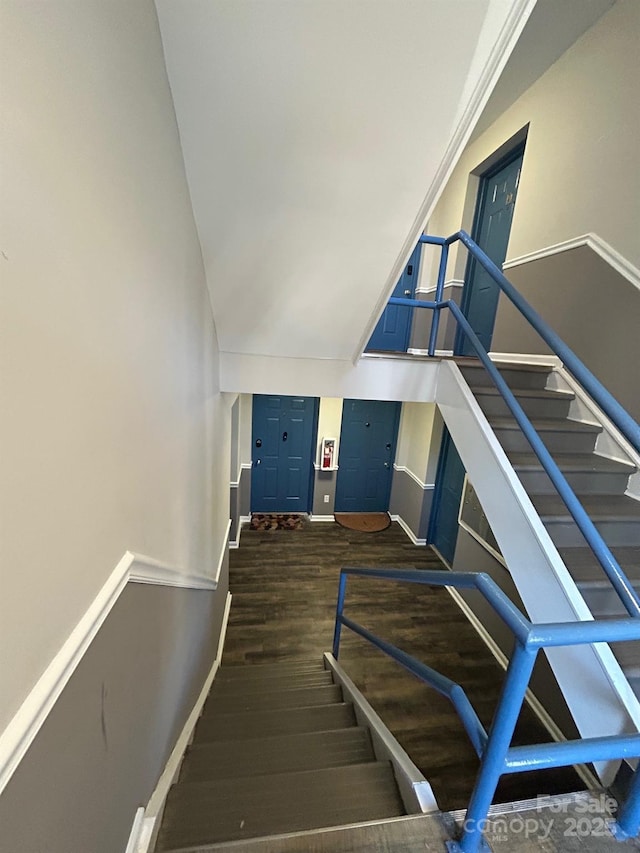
[{"x": 312, "y": 132}]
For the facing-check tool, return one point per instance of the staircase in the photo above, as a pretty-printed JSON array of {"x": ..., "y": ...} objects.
[
  {"x": 598, "y": 482},
  {"x": 276, "y": 750}
]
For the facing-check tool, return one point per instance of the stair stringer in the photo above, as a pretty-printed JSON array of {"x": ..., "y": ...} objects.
[{"x": 595, "y": 688}]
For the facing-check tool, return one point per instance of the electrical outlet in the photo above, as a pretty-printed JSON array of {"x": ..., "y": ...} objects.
[{"x": 326, "y": 499}]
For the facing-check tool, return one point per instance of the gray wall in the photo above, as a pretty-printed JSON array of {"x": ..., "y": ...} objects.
[
  {"x": 591, "y": 306},
  {"x": 324, "y": 483},
  {"x": 470, "y": 556},
  {"x": 411, "y": 502},
  {"x": 101, "y": 750}
]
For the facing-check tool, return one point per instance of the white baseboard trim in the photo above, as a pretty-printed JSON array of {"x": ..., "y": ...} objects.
[
  {"x": 595, "y": 243},
  {"x": 404, "y": 470},
  {"x": 321, "y": 518},
  {"x": 245, "y": 466},
  {"x": 223, "y": 551},
  {"x": 530, "y": 698},
  {"x": 439, "y": 353},
  {"x": 136, "y": 832},
  {"x": 549, "y": 361},
  {"x": 18, "y": 736},
  {"x": 403, "y": 524},
  {"x": 155, "y": 806},
  {"x": 235, "y": 543}
]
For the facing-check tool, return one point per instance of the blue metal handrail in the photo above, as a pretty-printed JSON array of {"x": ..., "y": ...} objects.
[
  {"x": 619, "y": 580},
  {"x": 497, "y": 755},
  {"x": 607, "y": 402},
  {"x": 601, "y": 550}
]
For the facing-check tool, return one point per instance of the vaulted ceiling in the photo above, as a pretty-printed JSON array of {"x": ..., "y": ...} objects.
[{"x": 316, "y": 136}]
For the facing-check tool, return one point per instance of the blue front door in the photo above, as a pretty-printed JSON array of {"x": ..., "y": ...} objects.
[
  {"x": 283, "y": 430},
  {"x": 443, "y": 527},
  {"x": 367, "y": 449},
  {"x": 494, "y": 212},
  {"x": 392, "y": 332}
]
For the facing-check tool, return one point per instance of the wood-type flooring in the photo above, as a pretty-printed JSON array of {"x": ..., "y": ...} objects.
[{"x": 284, "y": 587}]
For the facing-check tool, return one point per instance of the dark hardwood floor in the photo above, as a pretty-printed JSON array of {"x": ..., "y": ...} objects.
[{"x": 284, "y": 586}]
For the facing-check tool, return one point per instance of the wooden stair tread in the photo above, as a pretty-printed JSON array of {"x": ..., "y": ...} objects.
[
  {"x": 276, "y": 754},
  {"x": 275, "y": 682},
  {"x": 204, "y": 812},
  {"x": 277, "y": 721},
  {"x": 304, "y": 697},
  {"x": 599, "y": 507},
  {"x": 545, "y": 424},
  {"x": 586, "y": 569},
  {"x": 537, "y": 393},
  {"x": 570, "y": 462}
]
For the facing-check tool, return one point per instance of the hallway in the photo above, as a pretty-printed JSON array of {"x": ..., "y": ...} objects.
[{"x": 284, "y": 587}]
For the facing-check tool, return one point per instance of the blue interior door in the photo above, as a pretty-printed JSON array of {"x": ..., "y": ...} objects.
[
  {"x": 283, "y": 430},
  {"x": 367, "y": 449},
  {"x": 443, "y": 528},
  {"x": 494, "y": 213},
  {"x": 392, "y": 332}
]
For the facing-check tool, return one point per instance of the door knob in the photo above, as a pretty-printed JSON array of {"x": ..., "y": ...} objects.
[
  {"x": 407, "y": 293},
  {"x": 257, "y": 462},
  {"x": 386, "y": 464}
]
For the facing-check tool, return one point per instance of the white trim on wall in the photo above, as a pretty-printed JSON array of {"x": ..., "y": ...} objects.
[
  {"x": 545, "y": 360},
  {"x": 316, "y": 467},
  {"x": 619, "y": 263},
  {"x": 403, "y": 524},
  {"x": 155, "y": 806},
  {"x": 223, "y": 551},
  {"x": 144, "y": 569},
  {"x": 18, "y": 736},
  {"x": 245, "y": 466},
  {"x": 321, "y": 518},
  {"x": 453, "y": 282},
  {"x": 235, "y": 543},
  {"x": 403, "y": 469}
]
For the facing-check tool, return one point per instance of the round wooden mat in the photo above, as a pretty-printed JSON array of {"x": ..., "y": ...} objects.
[{"x": 365, "y": 522}]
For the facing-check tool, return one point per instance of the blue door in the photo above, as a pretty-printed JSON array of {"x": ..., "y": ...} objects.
[
  {"x": 392, "y": 332},
  {"x": 367, "y": 449},
  {"x": 443, "y": 525},
  {"x": 283, "y": 432},
  {"x": 494, "y": 212}
]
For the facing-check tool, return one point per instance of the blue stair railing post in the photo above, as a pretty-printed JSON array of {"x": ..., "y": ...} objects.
[
  {"x": 435, "y": 320},
  {"x": 493, "y": 761},
  {"x": 497, "y": 756},
  {"x": 627, "y": 823},
  {"x": 342, "y": 589}
]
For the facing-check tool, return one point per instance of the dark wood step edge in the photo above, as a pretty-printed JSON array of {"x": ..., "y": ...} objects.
[{"x": 415, "y": 791}]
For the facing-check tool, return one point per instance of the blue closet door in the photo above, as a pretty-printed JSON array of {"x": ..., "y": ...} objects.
[
  {"x": 367, "y": 449},
  {"x": 394, "y": 326},
  {"x": 443, "y": 526},
  {"x": 496, "y": 201},
  {"x": 283, "y": 430}
]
